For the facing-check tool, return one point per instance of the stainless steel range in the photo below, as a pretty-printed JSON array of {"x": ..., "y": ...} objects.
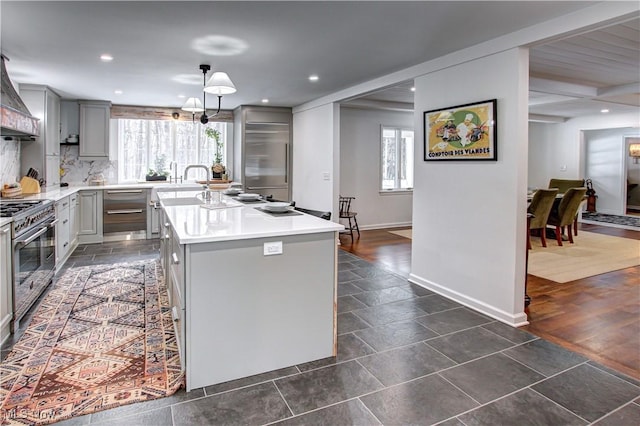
[{"x": 33, "y": 240}]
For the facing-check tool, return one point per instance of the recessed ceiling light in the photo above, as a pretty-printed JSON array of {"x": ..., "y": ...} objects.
[
  {"x": 265, "y": 101},
  {"x": 413, "y": 89},
  {"x": 118, "y": 92},
  {"x": 604, "y": 111},
  {"x": 313, "y": 77},
  {"x": 181, "y": 96},
  {"x": 105, "y": 57}
]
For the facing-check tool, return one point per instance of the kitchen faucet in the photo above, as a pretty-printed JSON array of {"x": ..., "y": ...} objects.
[
  {"x": 173, "y": 167},
  {"x": 206, "y": 194}
]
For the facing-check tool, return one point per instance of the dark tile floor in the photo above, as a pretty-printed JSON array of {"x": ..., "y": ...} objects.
[{"x": 405, "y": 356}]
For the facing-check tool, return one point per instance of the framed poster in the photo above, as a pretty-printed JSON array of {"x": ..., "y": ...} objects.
[{"x": 462, "y": 132}]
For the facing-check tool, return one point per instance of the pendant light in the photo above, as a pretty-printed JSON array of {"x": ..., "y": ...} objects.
[
  {"x": 219, "y": 84},
  {"x": 193, "y": 105}
]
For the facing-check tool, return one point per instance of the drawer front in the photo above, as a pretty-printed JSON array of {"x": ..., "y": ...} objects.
[
  {"x": 138, "y": 196},
  {"x": 124, "y": 219}
]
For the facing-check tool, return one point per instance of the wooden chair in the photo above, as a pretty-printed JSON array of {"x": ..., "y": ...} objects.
[
  {"x": 565, "y": 213},
  {"x": 540, "y": 207},
  {"x": 346, "y": 213}
]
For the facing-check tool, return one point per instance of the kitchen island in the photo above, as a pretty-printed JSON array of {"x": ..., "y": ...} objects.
[{"x": 251, "y": 292}]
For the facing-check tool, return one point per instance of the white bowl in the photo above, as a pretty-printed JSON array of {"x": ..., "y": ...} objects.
[{"x": 278, "y": 207}]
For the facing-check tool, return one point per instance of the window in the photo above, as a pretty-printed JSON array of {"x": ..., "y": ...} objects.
[
  {"x": 396, "y": 159},
  {"x": 153, "y": 144}
]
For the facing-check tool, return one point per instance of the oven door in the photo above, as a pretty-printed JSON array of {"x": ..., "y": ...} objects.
[{"x": 34, "y": 265}]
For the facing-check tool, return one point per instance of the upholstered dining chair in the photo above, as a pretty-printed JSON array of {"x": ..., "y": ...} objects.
[
  {"x": 565, "y": 212},
  {"x": 540, "y": 207},
  {"x": 563, "y": 185}
]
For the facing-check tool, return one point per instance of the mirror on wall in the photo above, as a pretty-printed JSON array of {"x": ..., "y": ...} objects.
[{"x": 632, "y": 150}]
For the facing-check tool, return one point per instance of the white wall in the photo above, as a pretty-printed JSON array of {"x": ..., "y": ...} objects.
[
  {"x": 360, "y": 167},
  {"x": 316, "y": 153},
  {"x": 605, "y": 153},
  {"x": 546, "y": 152},
  {"x": 469, "y": 218}
]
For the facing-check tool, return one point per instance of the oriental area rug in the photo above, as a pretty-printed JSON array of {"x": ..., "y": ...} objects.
[
  {"x": 591, "y": 254},
  {"x": 102, "y": 337}
]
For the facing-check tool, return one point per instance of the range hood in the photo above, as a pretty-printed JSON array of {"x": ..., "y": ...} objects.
[{"x": 16, "y": 120}]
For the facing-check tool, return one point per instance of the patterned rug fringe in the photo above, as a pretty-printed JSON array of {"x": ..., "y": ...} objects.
[{"x": 102, "y": 337}]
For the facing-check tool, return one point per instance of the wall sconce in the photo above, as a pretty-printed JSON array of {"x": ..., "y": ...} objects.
[{"x": 634, "y": 151}]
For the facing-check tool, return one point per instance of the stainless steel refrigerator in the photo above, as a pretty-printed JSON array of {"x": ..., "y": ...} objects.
[{"x": 265, "y": 150}]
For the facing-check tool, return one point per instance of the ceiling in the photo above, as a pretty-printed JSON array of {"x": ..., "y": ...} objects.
[{"x": 270, "y": 48}]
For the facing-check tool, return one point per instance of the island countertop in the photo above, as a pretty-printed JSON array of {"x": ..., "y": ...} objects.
[{"x": 197, "y": 224}]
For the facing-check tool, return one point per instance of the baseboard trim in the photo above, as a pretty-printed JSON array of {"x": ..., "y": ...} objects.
[
  {"x": 385, "y": 225},
  {"x": 517, "y": 320}
]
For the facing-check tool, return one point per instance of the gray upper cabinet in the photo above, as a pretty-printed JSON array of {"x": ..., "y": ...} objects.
[
  {"x": 94, "y": 129},
  {"x": 42, "y": 153}
]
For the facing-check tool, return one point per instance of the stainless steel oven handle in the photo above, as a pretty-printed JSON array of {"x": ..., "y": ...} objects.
[{"x": 33, "y": 237}]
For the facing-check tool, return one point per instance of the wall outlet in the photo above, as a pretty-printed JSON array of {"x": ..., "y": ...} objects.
[
  {"x": 326, "y": 176},
  {"x": 271, "y": 248}
]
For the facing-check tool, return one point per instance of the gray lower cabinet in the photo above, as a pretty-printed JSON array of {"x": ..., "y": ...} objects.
[
  {"x": 177, "y": 293},
  {"x": 6, "y": 291},
  {"x": 63, "y": 226},
  {"x": 74, "y": 217},
  {"x": 90, "y": 218}
]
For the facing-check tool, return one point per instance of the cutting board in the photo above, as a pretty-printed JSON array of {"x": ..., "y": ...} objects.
[{"x": 29, "y": 185}]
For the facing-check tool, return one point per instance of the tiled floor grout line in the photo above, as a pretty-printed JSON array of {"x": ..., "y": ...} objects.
[
  {"x": 558, "y": 404},
  {"x": 369, "y": 410},
  {"x": 613, "y": 375},
  {"x": 480, "y": 404},
  {"x": 371, "y": 374},
  {"x": 284, "y": 399}
]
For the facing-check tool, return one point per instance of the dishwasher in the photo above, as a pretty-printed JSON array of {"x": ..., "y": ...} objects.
[{"x": 124, "y": 211}]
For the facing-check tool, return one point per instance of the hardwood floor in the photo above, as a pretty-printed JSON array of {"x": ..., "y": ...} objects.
[{"x": 598, "y": 317}]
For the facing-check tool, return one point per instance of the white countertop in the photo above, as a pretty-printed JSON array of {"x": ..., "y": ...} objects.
[
  {"x": 57, "y": 193},
  {"x": 196, "y": 224}
]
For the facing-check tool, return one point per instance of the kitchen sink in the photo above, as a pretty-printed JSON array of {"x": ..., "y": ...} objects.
[{"x": 181, "y": 201}]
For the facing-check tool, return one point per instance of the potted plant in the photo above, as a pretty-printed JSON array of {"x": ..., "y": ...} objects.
[
  {"x": 159, "y": 173},
  {"x": 217, "y": 169}
]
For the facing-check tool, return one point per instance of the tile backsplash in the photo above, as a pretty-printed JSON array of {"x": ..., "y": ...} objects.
[
  {"x": 9, "y": 160},
  {"x": 75, "y": 170}
]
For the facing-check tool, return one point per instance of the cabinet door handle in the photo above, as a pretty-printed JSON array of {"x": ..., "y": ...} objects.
[
  {"x": 65, "y": 204},
  {"x": 65, "y": 221},
  {"x": 127, "y": 211},
  {"x": 125, "y": 191},
  {"x": 174, "y": 258},
  {"x": 6, "y": 231}
]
